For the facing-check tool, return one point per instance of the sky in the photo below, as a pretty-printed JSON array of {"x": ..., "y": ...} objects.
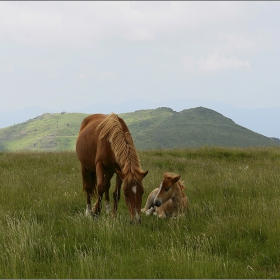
[{"x": 71, "y": 54}]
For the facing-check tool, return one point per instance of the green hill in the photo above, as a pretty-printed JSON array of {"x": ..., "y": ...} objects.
[
  {"x": 150, "y": 129},
  {"x": 55, "y": 132},
  {"x": 164, "y": 128}
]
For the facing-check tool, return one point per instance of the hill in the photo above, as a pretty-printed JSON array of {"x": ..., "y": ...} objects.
[
  {"x": 261, "y": 120},
  {"x": 56, "y": 132},
  {"x": 150, "y": 129},
  {"x": 165, "y": 128}
]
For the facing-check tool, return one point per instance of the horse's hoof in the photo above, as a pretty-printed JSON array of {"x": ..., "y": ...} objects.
[
  {"x": 107, "y": 207},
  {"x": 95, "y": 216},
  {"x": 88, "y": 213}
]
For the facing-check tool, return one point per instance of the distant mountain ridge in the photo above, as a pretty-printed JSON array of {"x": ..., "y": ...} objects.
[
  {"x": 264, "y": 121},
  {"x": 150, "y": 129},
  {"x": 261, "y": 120},
  {"x": 165, "y": 128}
]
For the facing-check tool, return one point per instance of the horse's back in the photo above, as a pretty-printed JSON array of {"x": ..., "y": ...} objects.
[
  {"x": 89, "y": 147},
  {"x": 92, "y": 121},
  {"x": 86, "y": 144}
]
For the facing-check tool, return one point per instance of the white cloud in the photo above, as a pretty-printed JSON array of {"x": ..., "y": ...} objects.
[
  {"x": 189, "y": 63},
  {"x": 235, "y": 42},
  {"x": 213, "y": 63},
  {"x": 49, "y": 49},
  {"x": 86, "y": 71},
  {"x": 216, "y": 62},
  {"x": 85, "y": 23}
]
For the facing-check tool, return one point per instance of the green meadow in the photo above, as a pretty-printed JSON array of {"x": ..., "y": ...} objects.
[{"x": 231, "y": 230}]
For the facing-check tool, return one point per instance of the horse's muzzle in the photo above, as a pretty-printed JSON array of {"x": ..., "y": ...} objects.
[{"x": 157, "y": 203}]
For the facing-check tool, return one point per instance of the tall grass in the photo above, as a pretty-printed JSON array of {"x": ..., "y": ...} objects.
[{"x": 231, "y": 230}]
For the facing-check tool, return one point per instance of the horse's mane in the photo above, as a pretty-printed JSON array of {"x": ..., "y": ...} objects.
[{"x": 122, "y": 146}]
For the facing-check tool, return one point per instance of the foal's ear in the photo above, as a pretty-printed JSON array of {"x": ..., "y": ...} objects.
[
  {"x": 119, "y": 173},
  {"x": 176, "y": 179},
  {"x": 144, "y": 173}
]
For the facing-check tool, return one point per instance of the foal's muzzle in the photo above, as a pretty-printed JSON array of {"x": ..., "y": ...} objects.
[{"x": 157, "y": 203}]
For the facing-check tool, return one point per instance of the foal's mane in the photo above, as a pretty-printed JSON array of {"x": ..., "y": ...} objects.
[
  {"x": 182, "y": 186},
  {"x": 122, "y": 146}
]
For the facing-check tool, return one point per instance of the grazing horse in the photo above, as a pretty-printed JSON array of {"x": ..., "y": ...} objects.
[
  {"x": 104, "y": 146},
  {"x": 168, "y": 199}
]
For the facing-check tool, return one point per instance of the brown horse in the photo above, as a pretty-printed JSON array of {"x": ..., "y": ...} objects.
[
  {"x": 168, "y": 199},
  {"x": 104, "y": 146}
]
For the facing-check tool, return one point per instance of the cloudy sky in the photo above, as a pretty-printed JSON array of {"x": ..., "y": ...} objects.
[{"x": 68, "y": 55}]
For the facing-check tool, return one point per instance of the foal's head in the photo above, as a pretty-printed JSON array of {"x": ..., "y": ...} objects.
[
  {"x": 133, "y": 191},
  {"x": 168, "y": 188}
]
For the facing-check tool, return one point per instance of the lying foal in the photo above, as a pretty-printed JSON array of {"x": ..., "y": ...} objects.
[{"x": 168, "y": 199}]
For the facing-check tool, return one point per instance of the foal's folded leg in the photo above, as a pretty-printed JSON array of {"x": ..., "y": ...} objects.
[{"x": 150, "y": 201}]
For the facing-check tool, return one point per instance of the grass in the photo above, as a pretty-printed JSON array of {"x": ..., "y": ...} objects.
[{"x": 231, "y": 230}]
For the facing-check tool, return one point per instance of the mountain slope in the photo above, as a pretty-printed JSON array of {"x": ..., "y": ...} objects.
[
  {"x": 261, "y": 120},
  {"x": 46, "y": 132},
  {"x": 150, "y": 129},
  {"x": 193, "y": 128}
]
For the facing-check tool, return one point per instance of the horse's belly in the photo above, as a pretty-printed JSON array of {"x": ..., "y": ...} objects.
[{"x": 86, "y": 151}]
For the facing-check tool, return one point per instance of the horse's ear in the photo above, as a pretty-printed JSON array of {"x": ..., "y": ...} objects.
[
  {"x": 120, "y": 174},
  {"x": 176, "y": 179},
  {"x": 144, "y": 173}
]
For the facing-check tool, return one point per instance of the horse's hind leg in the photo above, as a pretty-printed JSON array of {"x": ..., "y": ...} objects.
[{"x": 89, "y": 180}]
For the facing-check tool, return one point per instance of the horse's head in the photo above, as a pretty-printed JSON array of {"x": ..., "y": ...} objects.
[
  {"x": 133, "y": 191},
  {"x": 168, "y": 188}
]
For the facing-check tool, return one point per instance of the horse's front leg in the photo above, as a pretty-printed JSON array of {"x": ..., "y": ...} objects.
[
  {"x": 117, "y": 194},
  {"x": 107, "y": 182},
  {"x": 101, "y": 188}
]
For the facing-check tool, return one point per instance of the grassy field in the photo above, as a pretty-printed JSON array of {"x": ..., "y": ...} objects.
[{"x": 231, "y": 230}]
